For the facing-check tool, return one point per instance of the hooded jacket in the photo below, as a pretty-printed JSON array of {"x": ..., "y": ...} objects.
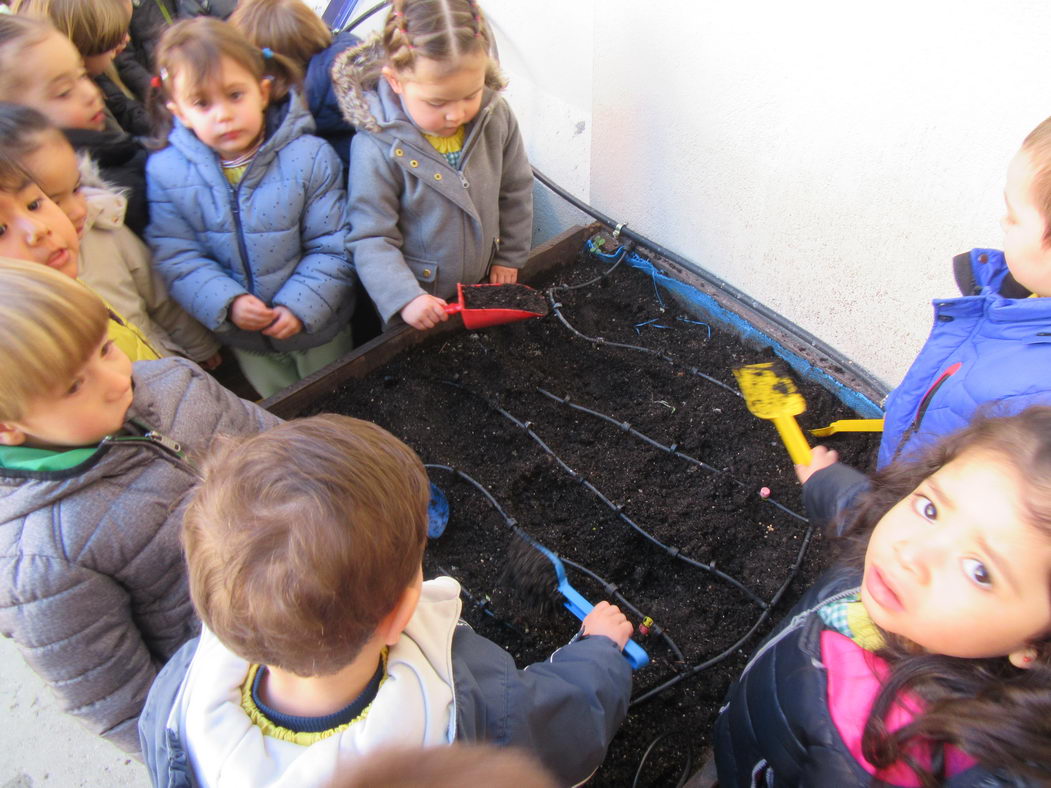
[
  {"x": 990, "y": 346},
  {"x": 279, "y": 235},
  {"x": 118, "y": 266},
  {"x": 443, "y": 683},
  {"x": 321, "y": 96},
  {"x": 92, "y": 582},
  {"x": 417, "y": 225},
  {"x": 796, "y": 715},
  {"x": 122, "y": 161}
]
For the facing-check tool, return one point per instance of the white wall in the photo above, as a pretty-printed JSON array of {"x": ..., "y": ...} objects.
[{"x": 827, "y": 158}]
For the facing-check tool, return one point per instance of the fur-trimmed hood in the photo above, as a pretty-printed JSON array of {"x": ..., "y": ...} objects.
[{"x": 356, "y": 73}]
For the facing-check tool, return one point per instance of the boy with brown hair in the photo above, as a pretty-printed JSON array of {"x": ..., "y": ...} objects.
[{"x": 322, "y": 643}]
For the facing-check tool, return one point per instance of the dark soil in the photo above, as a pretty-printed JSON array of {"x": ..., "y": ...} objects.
[
  {"x": 443, "y": 397},
  {"x": 516, "y": 296}
]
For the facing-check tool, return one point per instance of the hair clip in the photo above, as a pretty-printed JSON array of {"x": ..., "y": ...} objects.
[
  {"x": 164, "y": 74},
  {"x": 267, "y": 53},
  {"x": 155, "y": 82}
]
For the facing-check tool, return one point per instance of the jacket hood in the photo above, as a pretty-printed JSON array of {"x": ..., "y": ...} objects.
[
  {"x": 106, "y": 203},
  {"x": 356, "y": 74},
  {"x": 286, "y": 121}
]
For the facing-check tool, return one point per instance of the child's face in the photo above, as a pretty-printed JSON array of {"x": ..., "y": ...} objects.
[
  {"x": 225, "y": 113},
  {"x": 59, "y": 86},
  {"x": 83, "y": 411},
  {"x": 1027, "y": 254},
  {"x": 956, "y": 567},
  {"x": 53, "y": 166},
  {"x": 33, "y": 228},
  {"x": 439, "y": 101}
]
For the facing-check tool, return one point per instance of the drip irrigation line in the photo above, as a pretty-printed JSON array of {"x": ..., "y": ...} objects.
[
  {"x": 610, "y": 588},
  {"x": 613, "y": 590},
  {"x": 617, "y": 509},
  {"x": 617, "y": 256},
  {"x": 556, "y": 308},
  {"x": 688, "y": 760},
  {"x": 791, "y": 329},
  {"x": 482, "y": 603},
  {"x": 673, "y": 449},
  {"x": 693, "y": 671}
]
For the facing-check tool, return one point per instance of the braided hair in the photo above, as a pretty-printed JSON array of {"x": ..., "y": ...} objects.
[{"x": 440, "y": 30}]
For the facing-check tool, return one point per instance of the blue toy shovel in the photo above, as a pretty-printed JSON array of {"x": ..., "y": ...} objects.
[
  {"x": 437, "y": 512},
  {"x": 577, "y": 605}
]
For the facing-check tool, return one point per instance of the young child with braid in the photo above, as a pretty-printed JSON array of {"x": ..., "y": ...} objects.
[{"x": 440, "y": 190}]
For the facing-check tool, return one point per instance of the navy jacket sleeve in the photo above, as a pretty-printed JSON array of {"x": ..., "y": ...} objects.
[
  {"x": 564, "y": 710},
  {"x": 830, "y": 493}
]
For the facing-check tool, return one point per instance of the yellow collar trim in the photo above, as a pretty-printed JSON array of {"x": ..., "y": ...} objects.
[
  {"x": 449, "y": 144},
  {"x": 302, "y": 738},
  {"x": 865, "y": 632}
]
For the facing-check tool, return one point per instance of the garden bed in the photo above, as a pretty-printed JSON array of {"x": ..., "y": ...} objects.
[{"x": 665, "y": 447}]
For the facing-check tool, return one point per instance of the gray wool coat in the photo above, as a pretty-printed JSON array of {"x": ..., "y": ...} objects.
[
  {"x": 417, "y": 225},
  {"x": 278, "y": 235},
  {"x": 93, "y": 586}
]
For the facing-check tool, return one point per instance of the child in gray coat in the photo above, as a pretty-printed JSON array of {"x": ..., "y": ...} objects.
[
  {"x": 95, "y": 460},
  {"x": 440, "y": 190}
]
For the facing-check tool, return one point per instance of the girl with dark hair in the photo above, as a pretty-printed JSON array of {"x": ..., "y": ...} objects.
[{"x": 926, "y": 658}]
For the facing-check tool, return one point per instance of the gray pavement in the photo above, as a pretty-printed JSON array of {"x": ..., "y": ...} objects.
[{"x": 42, "y": 746}]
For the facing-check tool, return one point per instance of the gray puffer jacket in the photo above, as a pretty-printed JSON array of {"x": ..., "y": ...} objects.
[
  {"x": 92, "y": 583},
  {"x": 417, "y": 225},
  {"x": 278, "y": 235}
]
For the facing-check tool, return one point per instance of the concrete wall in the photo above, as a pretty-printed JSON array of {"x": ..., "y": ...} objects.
[{"x": 826, "y": 158}]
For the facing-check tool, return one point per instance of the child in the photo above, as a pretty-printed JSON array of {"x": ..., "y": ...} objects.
[
  {"x": 926, "y": 660},
  {"x": 247, "y": 208},
  {"x": 440, "y": 188},
  {"x": 95, "y": 458},
  {"x": 99, "y": 31},
  {"x": 322, "y": 643},
  {"x": 40, "y": 67},
  {"x": 293, "y": 29},
  {"x": 36, "y": 230},
  {"x": 113, "y": 261}
]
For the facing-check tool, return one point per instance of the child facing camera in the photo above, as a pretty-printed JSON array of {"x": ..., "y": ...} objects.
[
  {"x": 440, "y": 190},
  {"x": 926, "y": 658},
  {"x": 322, "y": 643},
  {"x": 113, "y": 261},
  {"x": 247, "y": 206},
  {"x": 96, "y": 457}
]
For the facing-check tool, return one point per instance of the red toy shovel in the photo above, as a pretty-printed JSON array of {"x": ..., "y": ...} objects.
[{"x": 494, "y": 305}]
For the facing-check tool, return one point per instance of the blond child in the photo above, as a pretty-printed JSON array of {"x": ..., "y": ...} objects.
[
  {"x": 247, "y": 206},
  {"x": 322, "y": 642},
  {"x": 113, "y": 261},
  {"x": 440, "y": 190},
  {"x": 95, "y": 459}
]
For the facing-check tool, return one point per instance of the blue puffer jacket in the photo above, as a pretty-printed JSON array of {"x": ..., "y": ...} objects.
[
  {"x": 279, "y": 235},
  {"x": 321, "y": 96},
  {"x": 993, "y": 345}
]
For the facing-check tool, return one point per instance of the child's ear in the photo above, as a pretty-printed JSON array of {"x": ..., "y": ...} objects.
[
  {"x": 11, "y": 434},
  {"x": 393, "y": 624},
  {"x": 265, "y": 84},
  {"x": 1023, "y": 658},
  {"x": 173, "y": 108},
  {"x": 392, "y": 80}
]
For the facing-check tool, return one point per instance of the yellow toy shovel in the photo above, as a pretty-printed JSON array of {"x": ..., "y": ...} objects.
[
  {"x": 849, "y": 425},
  {"x": 774, "y": 397}
]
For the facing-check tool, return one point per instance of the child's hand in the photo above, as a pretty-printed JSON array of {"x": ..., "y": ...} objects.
[
  {"x": 606, "y": 619},
  {"x": 424, "y": 312},
  {"x": 212, "y": 362},
  {"x": 502, "y": 275},
  {"x": 821, "y": 457},
  {"x": 248, "y": 313},
  {"x": 285, "y": 324}
]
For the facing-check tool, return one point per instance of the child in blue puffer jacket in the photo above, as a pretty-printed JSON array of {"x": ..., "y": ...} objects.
[
  {"x": 247, "y": 206},
  {"x": 992, "y": 344}
]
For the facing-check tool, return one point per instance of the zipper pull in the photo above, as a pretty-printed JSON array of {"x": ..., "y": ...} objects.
[{"x": 165, "y": 441}]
